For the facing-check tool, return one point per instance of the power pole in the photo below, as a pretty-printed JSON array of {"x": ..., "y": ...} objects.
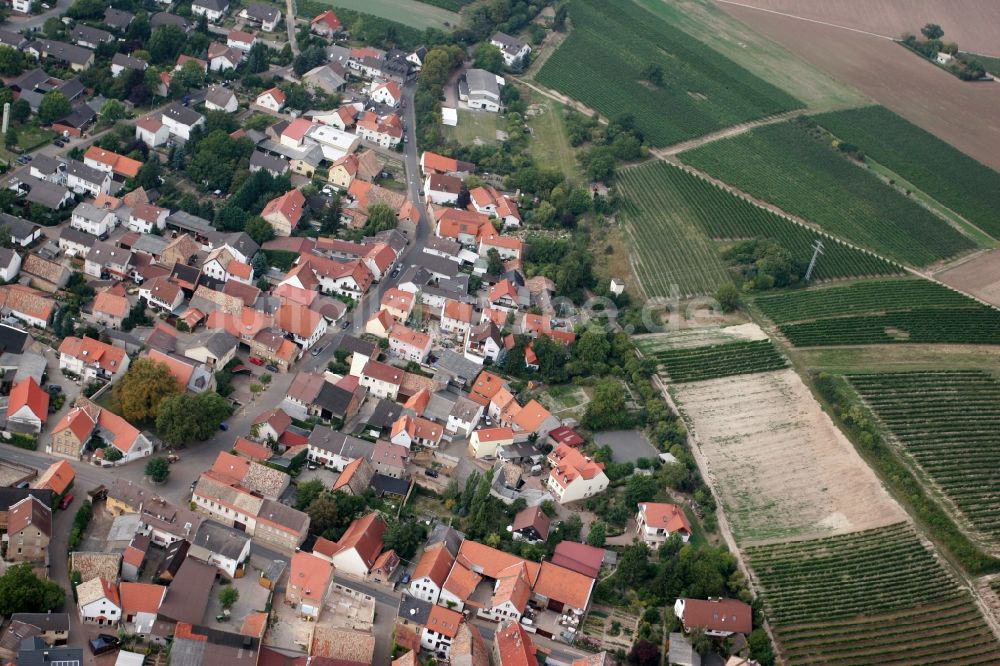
[{"x": 817, "y": 250}]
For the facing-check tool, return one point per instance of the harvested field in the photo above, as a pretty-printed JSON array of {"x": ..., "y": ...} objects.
[
  {"x": 697, "y": 337},
  {"x": 924, "y": 94},
  {"x": 781, "y": 468},
  {"x": 979, "y": 276},
  {"x": 974, "y": 24}
]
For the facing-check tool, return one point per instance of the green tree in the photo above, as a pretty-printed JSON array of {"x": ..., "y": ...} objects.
[
  {"x": 495, "y": 262},
  {"x": 259, "y": 229},
  {"x": 53, "y": 106},
  {"x": 11, "y": 62},
  {"x": 488, "y": 57},
  {"x": 228, "y": 596},
  {"x": 380, "y": 218},
  {"x": 166, "y": 44},
  {"x": 640, "y": 488},
  {"x": 112, "y": 111},
  {"x": 728, "y": 297},
  {"x": 323, "y": 513},
  {"x": 190, "y": 76},
  {"x": 329, "y": 218},
  {"x": 158, "y": 469},
  {"x": 932, "y": 31},
  {"x": 597, "y": 535},
  {"x": 187, "y": 418},
  {"x": 761, "y": 649},
  {"x": 306, "y": 492},
  {"x": 592, "y": 349},
  {"x": 10, "y": 139},
  {"x": 20, "y": 110},
  {"x": 606, "y": 410},
  {"x": 258, "y": 58},
  {"x": 21, "y": 591},
  {"x": 146, "y": 384},
  {"x": 149, "y": 173},
  {"x": 112, "y": 454},
  {"x": 633, "y": 566},
  {"x": 404, "y": 537}
]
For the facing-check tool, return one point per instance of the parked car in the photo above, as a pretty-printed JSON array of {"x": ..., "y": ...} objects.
[
  {"x": 318, "y": 350},
  {"x": 256, "y": 361},
  {"x": 345, "y": 324},
  {"x": 66, "y": 501},
  {"x": 223, "y": 427},
  {"x": 103, "y": 643},
  {"x": 271, "y": 368},
  {"x": 433, "y": 473}
]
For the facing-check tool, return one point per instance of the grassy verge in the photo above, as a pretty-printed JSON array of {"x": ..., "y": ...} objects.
[{"x": 549, "y": 142}]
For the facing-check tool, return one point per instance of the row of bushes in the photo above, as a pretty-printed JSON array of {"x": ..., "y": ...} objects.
[
  {"x": 22, "y": 441},
  {"x": 862, "y": 429},
  {"x": 80, "y": 522}
]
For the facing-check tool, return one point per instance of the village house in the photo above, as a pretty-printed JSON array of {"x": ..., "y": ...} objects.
[
  {"x": 162, "y": 293},
  {"x": 304, "y": 325},
  {"x": 718, "y": 618},
  {"x": 273, "y": 100},
  {"x": 220, "y": 58},
  {"x": 574, "y": 476},
  {"x": 98, "y": 602},
  {"x": 440, "y": 630},
  {"x": 485, "y": 441},
  {"x": 326, "y": 24},
  {"x": 213, "y": 10},
  {"x": 310, "y": 580},
  {"x": 145, "y": 217},
  {"x": 358, "y": 549},
  {"x": 29, "y": 530},
  {"x": 439, "y": 189},
  {"x": 92, "y": 359},
  {"x": 242, "y": 41},
  {"x": 140, "y": 603},
  {"x": 220, "y": 545},
  {"x": 382, "y": 380},
  {"x": 513, "y": 50},
  {"x": 531, "y": 524},
  {"x": 656, "y": 522},
  {"x": 180, "y": 120},
  {"x": 27, "y": 406},
  {"x": 409, "y": 344},
  {"x": 431, "y": 163},
  {"x": 85, "y": 180},
  {"x": 388, "y": 93},
  {"x": 464, "y": 416},
  {"x": 334, "y": 449},
  {"x": 92, "y": 220},
  {"x": 431, "y": 572},
  {"x": 489, "y": 201},
  {"x": 512, "y": 646},
  {"x": 284, "y": 213}
]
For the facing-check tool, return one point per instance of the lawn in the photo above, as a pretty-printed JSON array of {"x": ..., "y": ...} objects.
[
  {"x": 621, "y": 59},
  {"x": 794, "y": 167},
  {"x": 408, "y": 12},
  {"x": 475, "y": 127},
  {"x": 549, "y": 142},
  {"x": 29, "y": 138}
]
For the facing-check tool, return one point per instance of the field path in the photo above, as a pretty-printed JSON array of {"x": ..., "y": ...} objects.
[
  {"x": 726, "y": 133},
  {"x": 803, "y": 18},
  {"x": 562, "y": 99}
]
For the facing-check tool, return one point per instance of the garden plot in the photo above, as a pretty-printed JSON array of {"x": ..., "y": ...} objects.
[
  {"x": 779, "y": 465},
  {"x": 697, "y": 337}
]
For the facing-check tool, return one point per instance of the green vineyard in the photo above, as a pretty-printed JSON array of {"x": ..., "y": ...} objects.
[
  {"x": 732, "y": 358},
  {"x": 954, "y": 179},
  {"x": 671, "y": 213},
  {"x": 974, "y": 326},
  {"x": 785, "y": 165},
  {"x": 949, "y": 424},
  {"x": 872, "y": 597},
  {"x": 615, "y": 48}
]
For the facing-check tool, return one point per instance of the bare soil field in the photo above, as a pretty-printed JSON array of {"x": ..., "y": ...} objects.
[
  {"x": 780, "y": 466},
  {"x": 979, "y": 276},
  {"x": 961, "y": 113},
  {"x": 974, "y": 24}
]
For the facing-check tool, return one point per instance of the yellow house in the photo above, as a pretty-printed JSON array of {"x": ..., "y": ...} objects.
[
  {"x": 484, "y": 443},
  {"x": 343, "y": 171}
]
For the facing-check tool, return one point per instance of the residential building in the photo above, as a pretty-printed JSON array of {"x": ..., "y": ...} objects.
[
  {"x": 387, "y": 93},
  {"x": 284, "y": 213},
  {"x": 464, "y": 416},
  {"x": 489, "y": 201},
  {"x": 152, "y": 131},
  {"x": 439, "y": 189},
  {"x": 304, "y": 325},
  {"x": 440, "y": 630},
  {"x": 657, "y": 522},
  {"x": 266, "y": 16},
  {"x": 381, "y": 379},
  {"x": 513, "y": 50},
  {"x": 98, "y": 602},
  {"x": 485, "y": 442},
  {"x": 111, "y": 162},
  {"x": 181, "y": 120},
  {"x": 574, "y": 476},
  {"x": 531, "y": 524},
  {"x": 512, "y": 646},
  {"x": 310, "y": 579},
  {"x": 213, "y": 10},
  {"x": 140, "y": 603},
  {"x": 390, "y": 459},
  {"x": 326, "y": 24},
  {"x": 29, "y": 530},
  {"x": 431, "y": 163},
  {"x": 334, "y": 449},
  {"x": 409, "y": 344},
  {"x": 272, "y": 100},
  {"x": 220, "y": 545},
  {"x": 242, "y": 41},
  {"x": 431, "y": 572},
  {"x": 359, "y": 547},
  {"x": 161, "y": 293},
  {"x": 92, "y": 220},
  {"x": 222, "y": 57},
  {"x": 92, "y": 359},
  {"x": 27, "y": 407},
  {"x": 83, "y": 179},
  {"x": 145, "y": 217},
  {"x": 718, "y": 618}
]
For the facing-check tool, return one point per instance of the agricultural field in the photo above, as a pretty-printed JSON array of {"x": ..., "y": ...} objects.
[
  {"x": 549, "y": 143},
  {"x": 671, "y": 215},
  {"x": 704, "y": 21},
  {"x": 419, "y": 15},
  {"x": 721, "y": 360},
  {"x": 926, "y": 95},
  {"x": 948, "y": 422},
  {"x": 654, "y": 343},
  {"x": 872, "y": 597},
  {"x": 450, "y": 5},
  {"x": 785, "y": 164},
  {"x": 881, "y": 312},
  {"x": 869, "y": 296},
  {"x": 604, "y": 64},
  {"x": 780, "y": 467},
  {"x": 954, "y": 179},
  {"x": 978, "y": 275}
]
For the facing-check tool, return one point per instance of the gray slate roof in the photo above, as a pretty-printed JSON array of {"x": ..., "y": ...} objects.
[
  {"x": 340, "y": 443},
  {"x": 220, "y": 539}
]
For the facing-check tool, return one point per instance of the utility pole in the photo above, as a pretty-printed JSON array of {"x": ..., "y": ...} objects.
[{"x": 817, "y": 250}]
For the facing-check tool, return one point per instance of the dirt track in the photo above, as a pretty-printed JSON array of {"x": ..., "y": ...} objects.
[
  {"x": 959, "y": 112},
  {"x": 974, "y": 24}
]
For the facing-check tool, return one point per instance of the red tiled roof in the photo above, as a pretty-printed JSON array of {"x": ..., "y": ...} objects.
[
  {"x": 252, "y": 450},
  {"x": 579, "y": 557},
  {"x": 57, "y": 477},
  {"x": 289, "y": 205},
  {"x": 297, "y": 319},
  {"x": 27, "y": 393},
  {"x": 514, "y": 646},
  {"x": 434, "y": 564},
  {"x": 383, "y": 372},
  {"x": 444, "y": 621},
  {"x": 179, "y": 369},
  {"x": 565, "y": 585},
  {"x": 79, "y": 422},
  {"x": 311, "y": 575},
  {"x": 364, "y": 536},
  {"x": 718, "y": 615},
  {"x": 668, "y": 517},
  {"x": 297, "y": 129},
  {"x": 141, "y": 597},
  {"x": 328, "y": 18},
  {"x": 93, "y": 352},
  {"x": 111, "y": 304}
]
